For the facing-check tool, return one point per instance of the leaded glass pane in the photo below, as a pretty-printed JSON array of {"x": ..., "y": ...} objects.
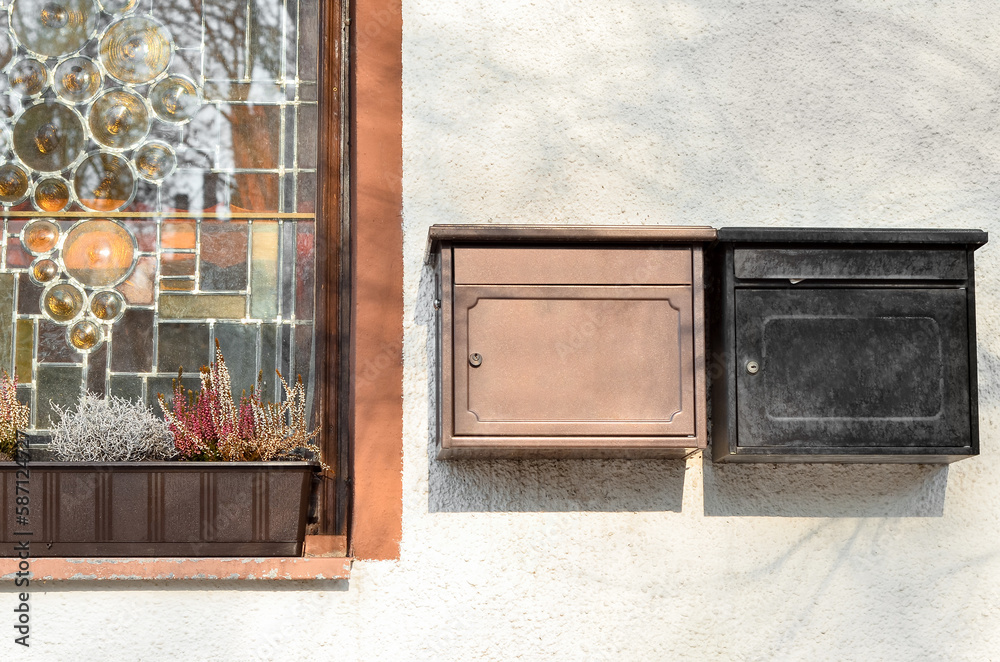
[{"x": 157, "y": 185}]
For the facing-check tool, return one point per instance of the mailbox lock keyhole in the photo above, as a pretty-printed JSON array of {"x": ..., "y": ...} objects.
[
  {"x": 475, "y": 359},
  {"x": 752, "y": 367}
]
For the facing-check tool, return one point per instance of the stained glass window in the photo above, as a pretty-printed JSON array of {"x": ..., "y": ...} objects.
[{"x": 158, "y": 185}]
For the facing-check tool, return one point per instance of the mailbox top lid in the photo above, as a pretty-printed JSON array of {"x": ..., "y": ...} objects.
[
  {"x": 551, "y": 234},
  {"x": 773, "y": 235}
]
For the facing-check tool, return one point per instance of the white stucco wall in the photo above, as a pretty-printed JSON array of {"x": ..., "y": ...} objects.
[{"x": 852, "y": 113}]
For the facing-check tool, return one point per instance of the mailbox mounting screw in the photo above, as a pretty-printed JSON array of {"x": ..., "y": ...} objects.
[
  {"x": 475, "y": 359},
  {"x": 752, "y": 367},
  {"x": 437, "y": 304}
]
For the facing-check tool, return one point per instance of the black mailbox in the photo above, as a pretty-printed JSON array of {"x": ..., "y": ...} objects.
[{"x": 843, "y": 345}]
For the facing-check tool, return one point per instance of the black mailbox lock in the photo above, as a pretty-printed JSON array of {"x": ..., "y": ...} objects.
[{"x": 752, "y": 367}]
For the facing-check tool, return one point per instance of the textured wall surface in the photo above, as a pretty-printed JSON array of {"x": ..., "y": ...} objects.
[{"x": 812, "y": 113}]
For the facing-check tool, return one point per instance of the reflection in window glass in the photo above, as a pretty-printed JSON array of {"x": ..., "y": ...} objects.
[{"x": 157, "y": 177}]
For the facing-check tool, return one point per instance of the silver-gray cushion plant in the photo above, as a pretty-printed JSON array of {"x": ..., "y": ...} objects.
[{"x": 109, "y": 429}]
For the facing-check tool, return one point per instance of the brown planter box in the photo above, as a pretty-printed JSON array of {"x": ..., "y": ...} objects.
[{"x": 158, "y": 508}]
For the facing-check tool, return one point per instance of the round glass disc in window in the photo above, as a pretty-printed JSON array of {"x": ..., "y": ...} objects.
[
  {"x": 40, "y": 236},
  {"x": 154, "y": 161},
  {"x": 51, "y": 194},
  {"x": 44, "y": 270},
  {"x": 53, "y": 28},
  {"x": 175, "y": 99},
  {"x": 85, "y": 335},
  {"x": 118, "y": 6},
  {"x": 28, "y": 77},
  {"x": 77, "y": 79},
  {"x": 49, "y": 136},
  {"x": 119, "y": 119},
  {"x": 135, "y": 50},
  {"x": 107, "y": 305},
  {"x": 104, "y": 182},
  {"x": 99, "y": 252},
  {"x": 62, "y": 302},
  {"x": 14, "y": 184}
]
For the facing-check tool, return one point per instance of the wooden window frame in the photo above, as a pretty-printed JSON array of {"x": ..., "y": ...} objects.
[{"x": 360, "y": 201}]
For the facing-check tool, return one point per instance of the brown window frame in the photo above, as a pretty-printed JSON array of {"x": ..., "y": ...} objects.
[
  {"x": 360, "y": 204},
  {"x": 333, "y": 249}
]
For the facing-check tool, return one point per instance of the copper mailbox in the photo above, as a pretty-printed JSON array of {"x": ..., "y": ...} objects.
[{"x": 570, "y": 341}]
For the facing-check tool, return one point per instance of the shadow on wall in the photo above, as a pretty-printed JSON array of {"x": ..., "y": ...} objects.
[
  {"x": 763, "y": 490},
  {"x": 824, "y": 490},
  {"x": 537, "y": 485},
  {"x": 553, "y": 485}
]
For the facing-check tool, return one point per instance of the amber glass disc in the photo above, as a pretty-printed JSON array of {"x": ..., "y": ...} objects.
[
  {"x": 62, "y": 302},
  {"x": 85, "y": 335},
  {"x": 51, "y": 194},
  {"x": 118, "y": 6},
  {"x": 14, "y": 184},
  {"x": 49, "y": 136},
  {"x": 99, "y": 252},
  {"x": 28, "y": 77},
  {"x": 119, "y": 119},
  {"x": 53, "y": 28},
  {"x": 107, "y": 305},
  {"x": 77, "y": 79},
  {"x": 40, "y": 236},
  {"x": 44, "y": 270},
  {"x": 104, "y": 182},
  {"x": 175, "y": 99},
  {"x": 154, "y": 161},
  {"x": 135, "y": 49},
  {"x": 7, "y": 49}
]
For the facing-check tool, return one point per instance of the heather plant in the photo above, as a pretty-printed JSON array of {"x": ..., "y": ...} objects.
[
  {"x": 14, "y": 417},
  {"x": 210, "y": 425},
  {"x": 109, "y": 429}
]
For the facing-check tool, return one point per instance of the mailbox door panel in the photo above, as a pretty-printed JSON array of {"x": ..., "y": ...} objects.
[
  {"x": 561, "y": 360},
  {"x": 852, "y": 368}
]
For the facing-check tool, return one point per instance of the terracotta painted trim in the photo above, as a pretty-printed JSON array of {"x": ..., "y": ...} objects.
[
  {"x": 376, "y": 188},
  {"x": 284, "y": 568}
]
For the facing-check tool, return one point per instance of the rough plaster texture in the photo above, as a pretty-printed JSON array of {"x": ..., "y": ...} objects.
[{"x": 852, "y": 113}]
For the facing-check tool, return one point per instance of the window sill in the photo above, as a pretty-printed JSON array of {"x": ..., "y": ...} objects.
[{"x": 120, "y": 569}]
